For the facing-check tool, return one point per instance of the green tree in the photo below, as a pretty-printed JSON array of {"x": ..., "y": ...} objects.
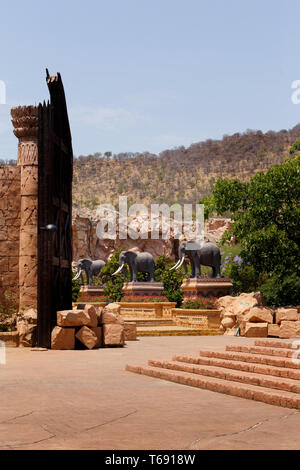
[
  {"x": 171, "y": 280},
  {"x": 75, "y": 290},
  {"x": 209, "y": 206},
  {"x": 113, "y": 284},
  {"x": 266, "y": 214}
]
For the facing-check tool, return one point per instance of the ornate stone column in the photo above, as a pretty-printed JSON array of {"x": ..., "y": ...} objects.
[{"x": 25, "y": 122}]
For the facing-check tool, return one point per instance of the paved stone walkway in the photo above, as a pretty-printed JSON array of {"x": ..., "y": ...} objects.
[{"x": 86, "y": 400}]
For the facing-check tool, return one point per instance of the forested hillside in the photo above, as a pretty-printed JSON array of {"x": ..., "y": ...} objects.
[{"x": 179, "y": 175}]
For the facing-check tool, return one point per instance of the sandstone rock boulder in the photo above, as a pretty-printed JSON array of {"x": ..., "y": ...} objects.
[
  {"x": 92, "y": 313},
  {"x": 286, "y": 314},
  {"x": 71, "y": 318},
  {"x": 130, "y": 331},
  {"x": 30, "y": 316},
  {"x": 63, "y": 338},
  {"x": 26, "y": 325},
  {"x": 289, "y": 329},
  {"x": 228, "y": 322},
  {"x": 98, "y": 311},
  {"x": 87, "y": 337},
  {"x": 234, "y": 309},
  {"x": 98, "y": 332},
  {"x": 230, "y": 331},
  {"x": 259, "y": 315},
  {"x": 113, "y": 334},
  {"x": 273, "y": 330},
  {"x": 254, "y": 330},
  {"x": 111, "y": 314}
]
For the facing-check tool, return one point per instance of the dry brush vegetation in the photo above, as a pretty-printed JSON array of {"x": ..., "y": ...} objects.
[{"x": 182, "y": 175}]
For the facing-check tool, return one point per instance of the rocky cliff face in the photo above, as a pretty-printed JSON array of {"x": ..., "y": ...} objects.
[{"x": 86, "y": 243}]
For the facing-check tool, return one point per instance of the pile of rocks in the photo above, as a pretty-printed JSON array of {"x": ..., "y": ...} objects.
[
  {"x": 91, "y": 327},
  {"x": 26, "y": 326},
  {"x": 287, "y": 323},
  {"x": 249, "y": 313}
]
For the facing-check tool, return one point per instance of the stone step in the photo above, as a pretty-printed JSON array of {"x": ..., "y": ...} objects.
[
  {"x": 242, "y": 366},
  {"x": 277, "y": 343},
  {"x": 221, "y": 373},
  {"x": 277, "y": 352},
  {"x": 253, "y": 392},
  {"x": 254, "y": 358},
  {"x": 150, "y": 321},
  {"x": 174, "y": 331}
]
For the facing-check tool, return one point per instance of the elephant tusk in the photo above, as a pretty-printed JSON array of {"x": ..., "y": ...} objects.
[
  {"x": 181, "y": 262},
  {"x": 77, "y": 275},
  {"x": 175, "y": 265},
  {"x": 118, "y": 270}
]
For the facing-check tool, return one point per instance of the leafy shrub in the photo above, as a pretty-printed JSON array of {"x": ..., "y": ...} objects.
[
  {"x": 8, "y": 308},
  {"x": 171, "y": 280},
  {"x": 200, "y": 303},
  {"x": 282, "y": 291},
  {"x": 75, "y": 290},
  {"x": 243, "y": 276}
]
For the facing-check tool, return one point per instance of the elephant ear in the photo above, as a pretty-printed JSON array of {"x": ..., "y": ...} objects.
[{"x": 87, "y": 262}]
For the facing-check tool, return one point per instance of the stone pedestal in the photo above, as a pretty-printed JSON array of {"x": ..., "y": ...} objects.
[
  {"x": 92, "y": 291},
  {"x": 25, "y": 122},
  {"x": 206, "y": 287},
  {"x": 143, "y": 289}
]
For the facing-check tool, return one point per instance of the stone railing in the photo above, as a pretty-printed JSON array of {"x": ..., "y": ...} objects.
[
  {"x": 147, "y": 309},
  {"x": 142, "y": 309},
  {"x": 206, "y": 319}
]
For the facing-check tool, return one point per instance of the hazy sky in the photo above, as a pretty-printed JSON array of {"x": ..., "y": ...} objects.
[{"x": 153, "y": 74}]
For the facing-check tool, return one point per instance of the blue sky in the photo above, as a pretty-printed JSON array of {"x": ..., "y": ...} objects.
[{"x": 153, "y": 74}]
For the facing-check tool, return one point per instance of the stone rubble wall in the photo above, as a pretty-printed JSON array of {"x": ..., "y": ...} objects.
[
  {"x": 86, "y": 244},
  {"x": 10, "y": 206}
]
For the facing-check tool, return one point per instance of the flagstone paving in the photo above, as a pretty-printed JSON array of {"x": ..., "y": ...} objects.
[{"x": 87, "y": 400}]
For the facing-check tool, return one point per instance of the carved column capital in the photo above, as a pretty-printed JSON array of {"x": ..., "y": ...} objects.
[{"x": 25, "y": 122}]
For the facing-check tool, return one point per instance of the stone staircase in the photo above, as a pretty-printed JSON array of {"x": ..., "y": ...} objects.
[{"x": 267, "y": 372}]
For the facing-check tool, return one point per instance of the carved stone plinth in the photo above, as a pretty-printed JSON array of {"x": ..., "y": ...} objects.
[
  {"x": 207, "y": 287},
  {"x": 92, "y": 291},
  {"x": 25, "y": 122},
  {"x": 143, "y": 289}
]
